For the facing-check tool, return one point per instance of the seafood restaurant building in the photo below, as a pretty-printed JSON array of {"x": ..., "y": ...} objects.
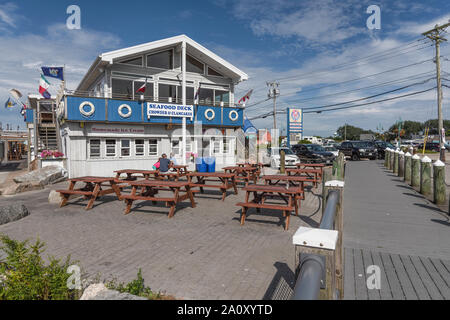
[{"x": 167, "y": 96}]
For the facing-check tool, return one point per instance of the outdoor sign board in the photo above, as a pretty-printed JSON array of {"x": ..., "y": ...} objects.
[
  {"x": 169, "y": 110},
  {"x": 294, "y": 123}
]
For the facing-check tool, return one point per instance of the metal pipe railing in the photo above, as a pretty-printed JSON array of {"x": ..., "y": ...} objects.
[{"x": 312, "y": 267}]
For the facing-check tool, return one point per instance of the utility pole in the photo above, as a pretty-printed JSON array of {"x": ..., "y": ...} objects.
[
  {"x": 435, "y": 35},
  {"x": 274, "y": 92},
  {"x": 345, "y": 132}
]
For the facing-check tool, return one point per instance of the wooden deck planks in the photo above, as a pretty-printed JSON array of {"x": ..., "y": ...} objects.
[
  {"x": 360, "y": 279},
  {"x": 391, "y": 274},
  {"x": 385, "y": 291},
  {"x": 349, "y": 275},
  {"x": 429, "y": 284},
  {"x": 436, "y": 277},
  {"x": 415, "y": 278},
  {"x": 373, "y": 294}
]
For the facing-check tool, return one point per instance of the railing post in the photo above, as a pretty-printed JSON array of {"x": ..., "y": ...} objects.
[
  {"x": 386, "y": 157},
  {"x": 401, "y": 164},
  {"x": 339, "y": 226},
  {"x": 282, "y": 161},
  {"x": 407, "y": 166},
  {"x": 391, "y": 159},
  {"x": 440, "y": 189},
  {"x": 339, "y": 167},
  {"x": 396, "y": 161},
  {"x": 415, "y": 171},
  {"x": 425, "y": 176}
]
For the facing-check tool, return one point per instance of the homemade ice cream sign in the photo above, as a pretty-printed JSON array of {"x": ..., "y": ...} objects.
[{"x": 169, "y": 110}]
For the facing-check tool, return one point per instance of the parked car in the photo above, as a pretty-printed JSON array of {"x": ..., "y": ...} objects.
[
  {"x": 359, "y": 149},
  {"x": 272, "y": 157},
  {"x": 313, "y": 153},
  {"x": 332, "y": 149},
  {"x": 381, "y": 147},
  {"x": 430, "y": 146}
]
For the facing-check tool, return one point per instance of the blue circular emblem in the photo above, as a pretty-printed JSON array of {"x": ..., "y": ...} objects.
[{"x": 295, "y": 115}]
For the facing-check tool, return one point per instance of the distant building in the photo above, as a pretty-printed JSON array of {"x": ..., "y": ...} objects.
[{"x": 367, "y": 136}]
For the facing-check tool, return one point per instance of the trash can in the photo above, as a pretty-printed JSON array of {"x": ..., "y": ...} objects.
[
  {"x": 211, "y": 164},
  {"x": 200, "y": 165}
]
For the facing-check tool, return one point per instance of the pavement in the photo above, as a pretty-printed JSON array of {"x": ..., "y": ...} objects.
[
  {"x": 201, "y": 253},
  {"x": 389, "y": 224}
]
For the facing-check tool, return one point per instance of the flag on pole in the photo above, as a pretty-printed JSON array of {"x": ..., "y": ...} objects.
[
  {"x": 143, "y": 87},
  {"x": 246, "y": 97},
  {"x": 197, "y": 93},
  {"x": 43, "y": 87},
  {"x": 16, "y": 94},
  {"x": 54, "y": 72},
  {"x": 9, "y": 103}
]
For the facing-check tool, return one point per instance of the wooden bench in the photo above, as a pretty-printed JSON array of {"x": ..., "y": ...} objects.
[
  {"x": 149, "y": 189},
  {"x": 262, "y": 192},
  {"x": 243, "y": 173},
  {"x": 228, "y": 181},
  {"x": 92, "y": 189}
]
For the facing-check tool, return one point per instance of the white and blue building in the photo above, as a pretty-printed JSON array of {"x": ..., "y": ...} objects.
[{"x": 106, "y": 124}]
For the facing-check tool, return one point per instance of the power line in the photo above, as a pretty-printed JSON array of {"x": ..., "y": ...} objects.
[
  {"x": 353, "y": 106},
  {"x": 348, "y": 81}
]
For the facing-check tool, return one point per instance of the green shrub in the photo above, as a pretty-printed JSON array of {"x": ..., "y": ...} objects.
[
  {"x": 137, "y": 288},
  {"x": 27, "y": 277},
  {"x": 304, "y": 142}
]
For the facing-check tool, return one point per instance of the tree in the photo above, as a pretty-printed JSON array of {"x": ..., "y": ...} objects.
[
  {"x": 408, "y": 129},
  {"x": 353, "y": 133}
]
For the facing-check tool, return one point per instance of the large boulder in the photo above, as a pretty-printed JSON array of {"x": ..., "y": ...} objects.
[
  {"x": 15, "y": 188},
  {"x": 54, "y": 197},
  {"x": 99, "y": 291},
  {"x": 44, "y": 176},
  {"x": 13, "y": 212}
]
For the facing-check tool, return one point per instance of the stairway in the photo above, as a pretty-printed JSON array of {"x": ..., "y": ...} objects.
[{"x": 47, "y": 138}]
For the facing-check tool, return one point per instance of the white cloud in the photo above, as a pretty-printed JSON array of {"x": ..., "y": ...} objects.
[
  {"x": 22, "y": 55},
  {"x": 7, "y": 16}
]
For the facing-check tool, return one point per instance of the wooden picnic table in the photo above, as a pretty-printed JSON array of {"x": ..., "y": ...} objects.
[
  {"x": 150, "y": 188},
  {"x": 228, "y": 181},
  {"x": 317, "y": 174},
  {"x": 92, "y": 189},
  {"x": 131, "y": 174},
  {"x": 260, "y": 195},
  {"x": 181, "y": 169},
  {"x": 258, "y": 165},
  {"x": 243, "y": 174}
]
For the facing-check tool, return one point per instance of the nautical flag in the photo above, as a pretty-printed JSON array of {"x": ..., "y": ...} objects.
[
  {"x": 43, "y": 86},
  {"x": 197, "y": 93},
  {"x": 54, "y": 72},
  {"x": 16, "y": 94},
  {"x": 246, "y": 97},
  {"x": 143, "y": 87},
  {"x": 9, "y": 103}
]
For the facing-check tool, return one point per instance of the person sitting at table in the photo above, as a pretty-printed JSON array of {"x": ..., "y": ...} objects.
[{"x": 164, "y": 163}]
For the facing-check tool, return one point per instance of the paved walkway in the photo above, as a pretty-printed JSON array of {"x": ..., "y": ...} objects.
[
  {"x": 201, "y": 253},
  {"x": 388, "y": 224}
]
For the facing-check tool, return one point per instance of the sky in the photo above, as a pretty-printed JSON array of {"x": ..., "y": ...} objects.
[{"x": 321, "y": 52}]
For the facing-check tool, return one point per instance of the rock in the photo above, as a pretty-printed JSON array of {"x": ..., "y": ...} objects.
[
  {"x": 13, "y": 212},
  {"x": 99, "y": 291},
  {"x": 45, "y": 176},
  {"x": 54, "y": 197},
  {"x": 15, "y": 188}
]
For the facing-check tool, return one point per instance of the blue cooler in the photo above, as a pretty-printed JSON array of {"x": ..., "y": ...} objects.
[
  {"x": 211, "y": 164},
  {"x": 200, "y": 165}
]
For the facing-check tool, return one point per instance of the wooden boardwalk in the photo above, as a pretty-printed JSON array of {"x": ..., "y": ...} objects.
[
  {"x": 403, "y": 277},
  {"x": 389, "y": 225}
]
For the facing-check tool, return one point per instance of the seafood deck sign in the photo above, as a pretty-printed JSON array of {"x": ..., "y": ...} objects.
[{"x": 169, "y": 110}]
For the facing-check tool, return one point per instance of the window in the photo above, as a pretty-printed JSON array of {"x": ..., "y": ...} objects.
[
  {"x": 189, "y": 94},
  {"x": 212, "y": 72},
  {"x": 139, "y": 147},
  {"x": 221, "y": 96},
  {"x": 148, "y": 89},
  {"x": 135, "y": 61},
  {"x": 193, "y": 65},
  {"x": 94, "y": 148},
  {"x": 110, "y": 148},
  {"x": 162, "y": 60},
  {"x": 226, "y": 145},
  {"x": 167, "y": 90},
  {"x": 153, "y": 147},
  {"x": 122, "y": 89},
  {"x": 125, "y": 148},
  {"x": 216, "y": 145},
  {"x": 206, "y": 96},
  {"x": 176, "y": 146}
]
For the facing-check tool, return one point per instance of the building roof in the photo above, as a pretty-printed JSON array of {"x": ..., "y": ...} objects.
[{"x": 192, "y": 48}]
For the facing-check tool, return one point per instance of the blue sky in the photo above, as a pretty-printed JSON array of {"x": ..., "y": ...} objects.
[{"x": 267, "y": 39}]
